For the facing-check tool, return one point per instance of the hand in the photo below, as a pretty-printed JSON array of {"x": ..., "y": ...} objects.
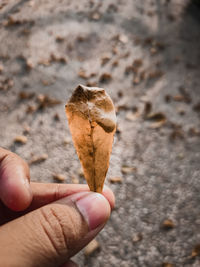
[{"x": 45, "y": 224}]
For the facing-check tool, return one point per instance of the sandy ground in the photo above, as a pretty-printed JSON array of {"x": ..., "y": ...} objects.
[{"x": 147, "y": 55}]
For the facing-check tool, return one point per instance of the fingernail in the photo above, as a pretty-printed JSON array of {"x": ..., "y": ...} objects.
[{"x": 94, "y": 208}]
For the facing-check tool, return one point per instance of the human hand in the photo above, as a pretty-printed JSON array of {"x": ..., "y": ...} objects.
[{"x": 45, "y": 224}]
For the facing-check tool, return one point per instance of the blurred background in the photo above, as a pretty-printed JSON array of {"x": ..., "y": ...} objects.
[{"x": 146, "y": 54}]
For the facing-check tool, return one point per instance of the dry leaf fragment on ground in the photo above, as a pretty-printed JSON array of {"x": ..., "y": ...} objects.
[
  {"x": 59, "y": 177},
  {"x": 91, "y": 247},
  {"x": 22, "y": 139},
  {"x": 1, "y": 68},
  {"x": 26, "y": 95},
  {"x": 137, "y": 237},
  {"x": 92, "y": 122},
  {"x": 168, "y": 224},
  {"x": 105, "y": 77},
  {"x": 115, "y": 180},
  {"x": 6, "y": 84},
  {"x": 38, "y": 158},
  {"x": 158, "y": 119},
  {"x": 46, "y": 101},
  {"x": 127, "y": 169},
  {"x": 167, "y": 264},
  {"x": 196, "y": 251}
]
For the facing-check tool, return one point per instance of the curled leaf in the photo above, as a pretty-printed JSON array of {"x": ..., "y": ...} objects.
[{"x": 92, "y": 122}]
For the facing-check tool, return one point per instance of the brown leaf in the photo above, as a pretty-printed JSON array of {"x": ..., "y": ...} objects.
[
  {"x": 137, "y": 237},
  {"x": 177, "y": 133},
  {"x": 1, "y": 68},
  {"x": 167, "y": 264},
  {"x": 26, "y": 95},
  {"x": 127, "y": 169},
  {"x": 147, "y": 108},
  {"x": 26, "y": 128},
  {"x": 105, "y": 58},
  {"x": 95, "y": 16},
  {"x": 156, "y": 117},
  {"x": 82, "y": 74},
  {"x": 197, "y": 107},
  {"x": 6, "y": 84},
  {"x": 137, "y": 63},
  {"x": 105, "y": 77},
  {"x": 115, "y": 180},
  {"x": 58, "y": 58},
  {"x": 132, "y": 116},
  {"x": 31, "y": 109},
  {"x": 168, "y": 224},
  {"x": 46, "y": 101},
  {"x": 179, "y": 98},
  {"x": 91, "y": 247},
  {"x": 185, "y": 94},
  {"x": 155, "y": 74},
  {"x": 92, "y": 122},
  {"x": 38, "y": 159},
  {"x": 196, "y": 251},
  {"x": 59, "y": 177},
  {"x": 20, "y": 139}
]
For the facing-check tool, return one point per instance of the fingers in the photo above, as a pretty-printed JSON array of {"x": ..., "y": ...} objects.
[
  {"x": 15, "y": 191},
  {"x": 46, "y": 193},
  {"x": 53, "y": 233}
]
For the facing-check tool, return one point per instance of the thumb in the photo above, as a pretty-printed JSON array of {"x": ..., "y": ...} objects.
[{"x": 50, "y": 235}]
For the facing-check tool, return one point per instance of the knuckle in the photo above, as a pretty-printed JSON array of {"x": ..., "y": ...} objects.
[{"x": 60, "y": 228}]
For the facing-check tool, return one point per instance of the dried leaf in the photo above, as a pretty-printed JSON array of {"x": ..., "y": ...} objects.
[
  {"x": 167, "y": 264},
  {"x": 1, "y": 68},
  {"x": 177, "y": 133},
  {"x": 46, "y": 101},
  {"x": 82, "y": 74},
  {"x": 105, "y": 77},
  {"x": 26, "y": 95},
  {"x": 132, "y": 116},
  {"x": 6, "y": 84},
  {"x": 196, "y": 251},
  {"x": 92, "y": 122},
  {"x": 105, "y": 58},
  {"x": 137, "y": 63},
  {"x": 156, "y": 117},
  {"x": 91, "y": 247},
  {"x": 186, "y": 95},
  {"x": 67, "y": 141},
  {"x": 197, "y": 107},
  {"x": 20, "y": 139},
  {"x": 147, "y": 108},
  {"x": 95, "y": 16},
  {"x": 168, "y": 224},
  {"x": 27, "y": 129},
  {"x": 38, "y": 159},
  {"x": 137, "y": 237},
  {"x": 59, "y": 177},
  {"x": 56, "y": 117},
  {"x": 31, "y": 109},
  {"x": 127, "y": 169},
  {"x": 155, "y": 74},
  {"x": 115, "y": 180}
]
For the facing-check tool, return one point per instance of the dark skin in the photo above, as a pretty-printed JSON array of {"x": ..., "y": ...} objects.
[{"x": 20, "y": 211}]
